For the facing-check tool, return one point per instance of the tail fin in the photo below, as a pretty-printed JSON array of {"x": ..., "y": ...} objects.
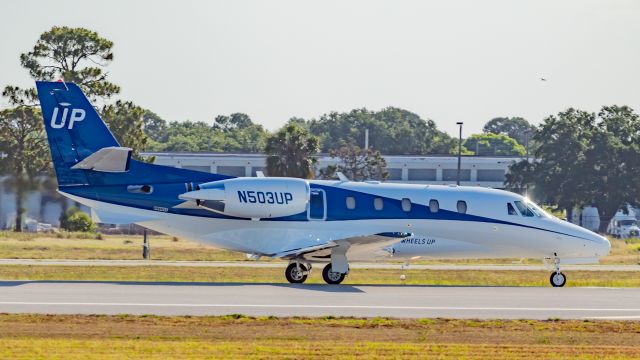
[
  {"x": 74, "y": 128},
  {"x": 76, "y": 131}
]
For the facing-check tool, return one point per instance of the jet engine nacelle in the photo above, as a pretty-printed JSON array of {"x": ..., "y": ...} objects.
[{"x": 253, "y": 197}]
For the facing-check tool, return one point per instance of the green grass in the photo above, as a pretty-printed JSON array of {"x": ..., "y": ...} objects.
[
  {"x": 157, "y": 337},
  {"x": 276, "y": 275}
]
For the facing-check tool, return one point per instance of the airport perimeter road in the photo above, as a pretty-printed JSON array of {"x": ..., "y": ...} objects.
[
  {"x": 282, "y": 264},
  {"x": 317, "y": 300}
]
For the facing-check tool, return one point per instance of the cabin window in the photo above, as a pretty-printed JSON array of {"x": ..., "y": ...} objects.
[
  {"x": 378, "y": 204},
  {"x": 434, "y": 206},
  {"x": 406, "y": 205},
  {"x": 524, "y": 210},
  {"x": 351, "y": 202},
  {"x": 462, "y": 206},
  {"x": 511, "y": 210}
]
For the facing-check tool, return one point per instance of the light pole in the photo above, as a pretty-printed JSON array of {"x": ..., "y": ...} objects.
[
  {"x": 459, "y": 123},
  {"x": 526, "y": 143}
]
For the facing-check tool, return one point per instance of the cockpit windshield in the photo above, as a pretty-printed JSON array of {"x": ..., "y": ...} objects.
[{"x": 529, "y": 209}]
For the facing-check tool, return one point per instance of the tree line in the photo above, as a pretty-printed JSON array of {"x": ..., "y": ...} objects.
[{"x": 578, "y": 153}]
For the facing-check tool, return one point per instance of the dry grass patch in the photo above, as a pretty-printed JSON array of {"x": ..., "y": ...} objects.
[
  {"x": 110, "y": 247},
  {"x": 114, "y": 337}
]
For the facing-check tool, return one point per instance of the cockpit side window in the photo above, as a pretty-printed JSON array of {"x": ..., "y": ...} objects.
[
  {"x": 511, "y": 210},
  {"x": 524, "y": 210}
]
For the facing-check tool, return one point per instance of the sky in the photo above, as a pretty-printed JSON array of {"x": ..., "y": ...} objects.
[{"x": 449, "y": 61}]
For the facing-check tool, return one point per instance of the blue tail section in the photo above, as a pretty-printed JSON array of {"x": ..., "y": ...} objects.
[{"x": 75, "y": 131}]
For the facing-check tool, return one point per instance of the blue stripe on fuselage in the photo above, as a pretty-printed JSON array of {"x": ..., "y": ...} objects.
[{"x": 166, "y": 196}]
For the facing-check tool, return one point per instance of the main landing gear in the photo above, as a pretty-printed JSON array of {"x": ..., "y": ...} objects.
[
  {"x": 332, "y": 277},
  {"x": 557, "y": 279},
  {"x": 297, "y": 273}
]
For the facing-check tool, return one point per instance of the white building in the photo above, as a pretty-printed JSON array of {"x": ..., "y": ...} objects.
[{"x": 475, "y": 170}]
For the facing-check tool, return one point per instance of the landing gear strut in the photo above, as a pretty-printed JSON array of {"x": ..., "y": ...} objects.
[
  {"x": 557, "y": 279},
  {"x": 296, "y": 273},
  {"x": 331, "y": 277}
]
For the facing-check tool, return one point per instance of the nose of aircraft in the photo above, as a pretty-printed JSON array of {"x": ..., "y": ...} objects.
[{"x": 601, "y": 244}]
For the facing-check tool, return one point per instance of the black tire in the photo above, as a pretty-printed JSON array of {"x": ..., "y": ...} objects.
[
  {"x": 293, "y": 275},
  {"x": 331, "y": 277},
  {"x": 558, "y": 279}
]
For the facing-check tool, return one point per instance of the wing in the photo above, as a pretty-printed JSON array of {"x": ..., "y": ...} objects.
[{"x": 357, "y": 247}]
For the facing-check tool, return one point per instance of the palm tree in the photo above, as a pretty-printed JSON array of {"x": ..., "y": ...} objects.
[{"x": 290, "y": 152}]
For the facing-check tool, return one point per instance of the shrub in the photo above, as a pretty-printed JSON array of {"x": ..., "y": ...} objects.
[{"x": 75, "y": 220}]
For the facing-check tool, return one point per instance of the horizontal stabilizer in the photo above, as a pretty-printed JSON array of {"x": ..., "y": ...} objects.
[{"x": 109, "y": 159}]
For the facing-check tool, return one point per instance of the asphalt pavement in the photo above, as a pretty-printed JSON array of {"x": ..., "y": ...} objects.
[{"x": 402, "y": 301}]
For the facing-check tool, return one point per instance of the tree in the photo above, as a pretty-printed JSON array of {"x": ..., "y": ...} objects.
[
  {"x": 77, "y": 55},
  {"x": 392, "y": 131},
  {"x": 493, "y": 145},
  {"x": 240, "y": 133},
  {"x": 612, "y": 161},
  {"x": 234, "y": 133},
  {"x": 357, "y": 164},
  {"x": 125, "y": 120},
  {"x": 154, "y": 126},
  {"x": 516, "y": 128},
  {"x": 26, "y": 152},
  {"x": 231, "y": 122},
  {"x": 290, "y": 152},
  {"x": 586, "y": 158}
]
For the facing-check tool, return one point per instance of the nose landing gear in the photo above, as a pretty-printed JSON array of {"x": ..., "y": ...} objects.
[{"x": 557, "y": 279}]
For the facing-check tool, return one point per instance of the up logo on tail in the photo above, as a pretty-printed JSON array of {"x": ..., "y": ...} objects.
[{"x": 76, "y": 116}]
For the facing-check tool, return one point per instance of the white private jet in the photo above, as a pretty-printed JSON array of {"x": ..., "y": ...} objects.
[{"x": 304, "y": 221}]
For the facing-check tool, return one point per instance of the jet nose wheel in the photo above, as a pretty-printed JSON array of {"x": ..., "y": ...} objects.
[
  {"x": 296, "y": 273},
  {"x": 331, "y": 277},
  {"x": 558, "y": 279}
]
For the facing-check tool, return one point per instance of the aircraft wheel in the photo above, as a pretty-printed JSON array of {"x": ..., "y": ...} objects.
[
  {"x": 558, "y": 279},
  {"x": 331, "y": 277},
  {"x": 296, "y": 273}
]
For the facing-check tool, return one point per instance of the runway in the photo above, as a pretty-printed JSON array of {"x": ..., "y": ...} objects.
[{"x": 67, "y": 297}]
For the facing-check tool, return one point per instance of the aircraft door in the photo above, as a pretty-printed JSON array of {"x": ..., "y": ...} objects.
[{"x": 317, "y": 209}]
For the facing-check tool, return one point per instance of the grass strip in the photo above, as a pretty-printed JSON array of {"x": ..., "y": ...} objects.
[{"x": 275, "y": 275}]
